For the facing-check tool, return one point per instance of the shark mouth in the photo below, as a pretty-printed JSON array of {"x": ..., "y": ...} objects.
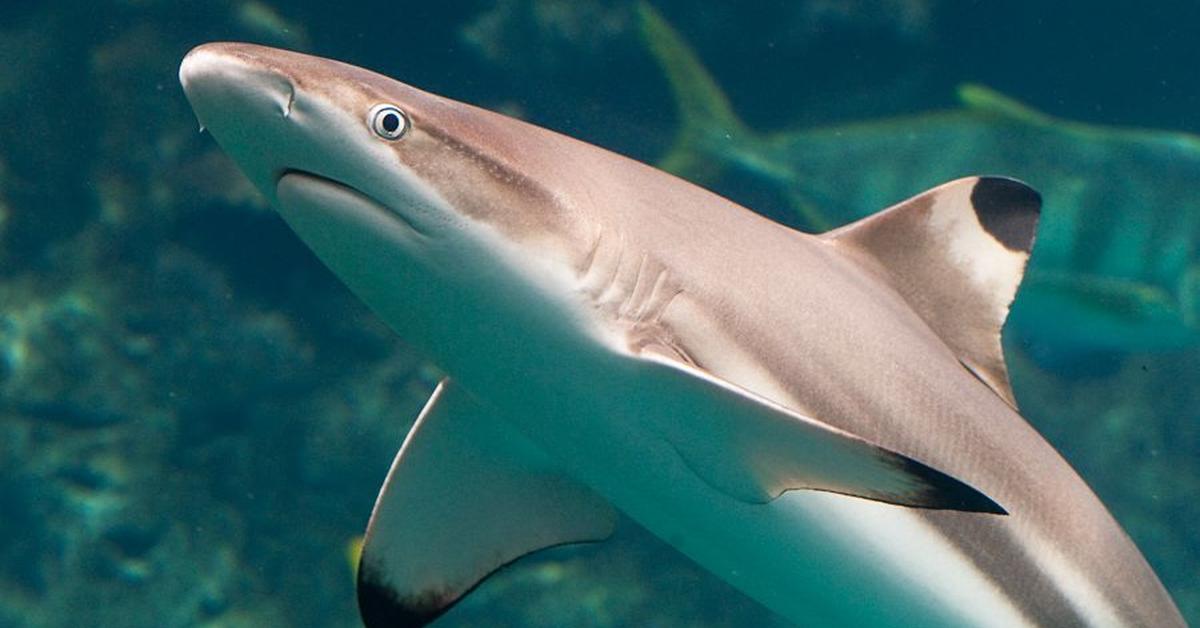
[{"x": 313, "y": 189}]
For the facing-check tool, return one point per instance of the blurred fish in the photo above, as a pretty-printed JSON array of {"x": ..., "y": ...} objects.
[
  {"x": 1117, "y": 267},
  {"x": 354, "y": 552},
  {"x": 266, "y": 24},
  {"x": 824, "y": 421}
]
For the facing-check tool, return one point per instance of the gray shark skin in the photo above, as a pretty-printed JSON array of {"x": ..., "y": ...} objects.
[
  {"x": 1118, "y": 265},
  {"x": 823, "y": 421}
]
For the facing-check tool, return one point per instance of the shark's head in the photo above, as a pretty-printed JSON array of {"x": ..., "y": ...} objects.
[{"x": 419, "y": 203}]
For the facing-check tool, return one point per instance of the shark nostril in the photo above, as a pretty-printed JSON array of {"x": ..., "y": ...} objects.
[{"x": 291, "y": 101}]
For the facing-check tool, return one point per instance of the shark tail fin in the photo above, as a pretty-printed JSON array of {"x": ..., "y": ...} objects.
[
  {"x": 957, "y": 254},
  {"x": 704, "y": 111},
  {"x": 712, "y": 140},
  {"x": 987, "y": 100}
]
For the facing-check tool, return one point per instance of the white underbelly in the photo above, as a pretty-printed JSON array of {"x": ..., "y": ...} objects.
[{"x": 818, "y": 559}]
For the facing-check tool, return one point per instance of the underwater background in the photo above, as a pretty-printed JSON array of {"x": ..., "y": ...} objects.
[{"x": 195, "y": 416}]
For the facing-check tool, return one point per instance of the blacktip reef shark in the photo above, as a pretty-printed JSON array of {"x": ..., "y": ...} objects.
[
  {"x": 1118, "y": 263},
  {"x": 824, "y": 421}
]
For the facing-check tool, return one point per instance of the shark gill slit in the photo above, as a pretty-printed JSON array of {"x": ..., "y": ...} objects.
[
  {"x": 585, "y": 269},
  {"x": 291, "y": 101},
  {"x": 630, "y": 306},
  {"x": 610, "y": 292}
]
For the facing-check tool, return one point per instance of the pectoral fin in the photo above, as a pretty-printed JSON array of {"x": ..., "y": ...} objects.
[
  {"x": 754, "y": 449},
  {"x": 466, "y": 495}
]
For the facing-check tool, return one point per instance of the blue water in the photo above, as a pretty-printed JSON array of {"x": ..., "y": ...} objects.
[{"x": 195, "y": 416}]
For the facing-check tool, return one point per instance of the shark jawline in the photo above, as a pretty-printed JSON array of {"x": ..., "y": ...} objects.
[{"x": 354, "y": 193}]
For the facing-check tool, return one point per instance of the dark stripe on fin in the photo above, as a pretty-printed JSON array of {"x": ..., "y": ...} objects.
[
  {"x": 943, "y": 492},
  {"x": 963, "y": 292},
  {"x": 930, "y": 489},
  {"x": 381, "y": 607},
  {"x": 466, "y": 495},
  {"x": 1008, "y": 210},
  {"x": 754, "y": 450}
]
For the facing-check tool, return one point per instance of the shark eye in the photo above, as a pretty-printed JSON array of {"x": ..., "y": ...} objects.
[{"x": 388, "y": 121}]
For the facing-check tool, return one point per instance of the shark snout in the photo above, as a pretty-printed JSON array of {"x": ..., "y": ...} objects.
[
  {"x": 244, "y": 95},
  {"x": 279, "y": 113},
  {"x": 235, "y": 79}
]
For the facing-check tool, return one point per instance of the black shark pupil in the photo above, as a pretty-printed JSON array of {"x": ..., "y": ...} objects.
[
  {"x": 388, "y": 122},
  {"x": 391, "y": 122}
]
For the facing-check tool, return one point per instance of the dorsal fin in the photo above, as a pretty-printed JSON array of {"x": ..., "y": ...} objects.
[{"x": 957, "y": 254}]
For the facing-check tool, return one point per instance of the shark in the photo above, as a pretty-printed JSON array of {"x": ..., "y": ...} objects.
[
  {"x": 822, "y": 420},
  {"x": 1117, "y": 269}
]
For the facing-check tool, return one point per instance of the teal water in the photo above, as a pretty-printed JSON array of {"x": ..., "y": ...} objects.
[{"x": 195, "y": 416}]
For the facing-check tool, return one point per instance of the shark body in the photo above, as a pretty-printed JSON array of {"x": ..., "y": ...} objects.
[
  {"x": 1118, "y": 267},
  {"x": 823, "y": 421}
]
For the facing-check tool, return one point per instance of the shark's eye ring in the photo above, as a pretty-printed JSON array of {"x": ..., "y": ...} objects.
[{"x": 388, "y": 122}]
